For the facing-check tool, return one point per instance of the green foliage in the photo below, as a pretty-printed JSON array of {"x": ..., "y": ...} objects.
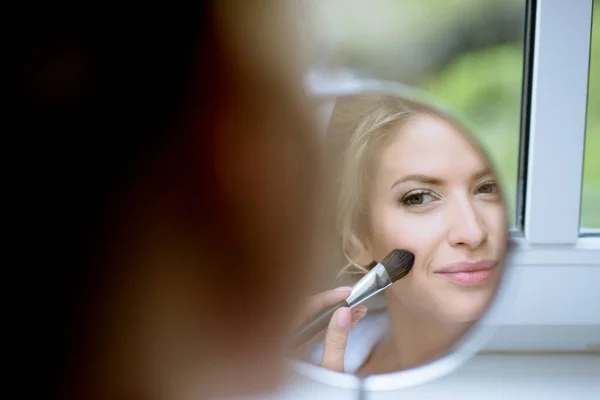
[
  {"x": 485, "y": 87},
  {"x": 590, "y": 205}
]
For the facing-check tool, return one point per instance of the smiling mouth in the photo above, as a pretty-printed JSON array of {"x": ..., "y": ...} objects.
[{"x": 468, "y": 273}]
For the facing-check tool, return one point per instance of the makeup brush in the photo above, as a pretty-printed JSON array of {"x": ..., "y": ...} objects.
[{"x": 393, "y": 267}]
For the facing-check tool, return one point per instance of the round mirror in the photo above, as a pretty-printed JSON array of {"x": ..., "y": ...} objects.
[{"x": 417, "y": 230}]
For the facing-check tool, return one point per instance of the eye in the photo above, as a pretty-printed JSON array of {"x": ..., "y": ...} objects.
[
  {"x": 418, "y": 198},
  {"x": 487, "y": 188}
]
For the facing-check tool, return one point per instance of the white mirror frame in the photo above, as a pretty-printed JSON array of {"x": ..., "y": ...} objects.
[{"x": 328, "y": 86}]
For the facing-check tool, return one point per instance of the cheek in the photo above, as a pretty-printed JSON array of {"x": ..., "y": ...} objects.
[
  {"x": 500, "y": 221},
  {"x": 395, "y": 228},
  {"x": 421, "y": 234},
  {"x": 495, "y": 221}
]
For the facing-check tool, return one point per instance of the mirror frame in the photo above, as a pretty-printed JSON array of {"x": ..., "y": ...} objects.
[{"x": 322, "y": 85}]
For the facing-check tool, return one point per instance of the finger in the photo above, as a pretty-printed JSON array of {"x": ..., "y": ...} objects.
[
  {"x": 356, "y": 318},
  {"x": 360, "y": 310},
  {"x": 336, "y": 339},
  {"x": 321, "y": 301},
  {"x": 358, "y": 313}
]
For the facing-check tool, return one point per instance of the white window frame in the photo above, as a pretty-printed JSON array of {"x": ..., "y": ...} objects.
[
  {"x": 558, "y": 116},
  {"x": 555, "y": 287}
]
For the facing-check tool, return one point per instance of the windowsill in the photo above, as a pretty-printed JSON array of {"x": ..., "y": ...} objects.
[
  {"x": 585, "y": 252},
  {"x": 589, "y": 232},
  {"x": 512, "y": 377},
  {"x": 485, "y": 376},
  {"x": 548, "y": 299}
]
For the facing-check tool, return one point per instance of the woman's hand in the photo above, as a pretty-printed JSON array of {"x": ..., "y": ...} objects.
[{"x": 336, "y": 335}]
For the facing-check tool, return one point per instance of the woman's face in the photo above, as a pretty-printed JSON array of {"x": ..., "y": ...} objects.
[{"x": 434, "y": 194}]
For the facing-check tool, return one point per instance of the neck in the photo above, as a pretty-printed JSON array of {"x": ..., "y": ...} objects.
[{"x": 413, "y": 340}]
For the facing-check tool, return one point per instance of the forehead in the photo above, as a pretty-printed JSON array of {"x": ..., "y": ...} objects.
[{"x": 430, "y": 145}]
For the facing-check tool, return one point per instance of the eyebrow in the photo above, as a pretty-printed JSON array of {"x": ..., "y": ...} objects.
[{"x": 437, "y": 181}]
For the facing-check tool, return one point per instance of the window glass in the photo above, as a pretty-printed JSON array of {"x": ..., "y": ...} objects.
[{"x": 590, "y": 196}]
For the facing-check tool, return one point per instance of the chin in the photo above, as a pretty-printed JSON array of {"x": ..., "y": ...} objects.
[
  {"x": 465, "y": 308},
  {"x": 465, "y": 315}
]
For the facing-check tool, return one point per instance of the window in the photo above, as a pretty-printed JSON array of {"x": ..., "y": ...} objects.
[
  {"x": 518, "y": 70},
  {"x": 590, "y": 196}
]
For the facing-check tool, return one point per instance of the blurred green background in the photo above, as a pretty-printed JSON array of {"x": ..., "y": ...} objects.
[
  {"x": 469, "y": 54},
  {"x": 590, "y": 207},
  {"x": 485, "y": 86}
]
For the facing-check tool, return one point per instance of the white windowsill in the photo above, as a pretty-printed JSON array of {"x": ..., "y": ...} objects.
[
  {"x": 586, "y": 251},
  {"x": 512, "y": 377},
  {"x": 550, "y": 299},
  {"x": 483, "y": 377}
]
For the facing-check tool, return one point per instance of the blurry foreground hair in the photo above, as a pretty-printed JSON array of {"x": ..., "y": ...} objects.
[{"x": 168, "y": 168}]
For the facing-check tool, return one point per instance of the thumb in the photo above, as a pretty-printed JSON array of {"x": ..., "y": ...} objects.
[{"x": 336, "y": 339}]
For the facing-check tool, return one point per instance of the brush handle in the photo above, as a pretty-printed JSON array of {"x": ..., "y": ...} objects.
[{"x": 315, "y": 326}]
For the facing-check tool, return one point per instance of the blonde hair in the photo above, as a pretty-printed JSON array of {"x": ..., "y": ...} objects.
[{"x": 361, "y": 126}]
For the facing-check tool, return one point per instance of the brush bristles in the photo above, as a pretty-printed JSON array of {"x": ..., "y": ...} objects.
[{"x": 398, "y": 263}]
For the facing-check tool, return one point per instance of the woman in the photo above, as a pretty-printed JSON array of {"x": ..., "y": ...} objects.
[{"x": 409, "y": 179}]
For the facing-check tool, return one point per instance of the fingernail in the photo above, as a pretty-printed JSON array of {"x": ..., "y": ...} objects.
[
  {"x": 361, "y": 308},
  {"x": 343, "y": 289},
  {"x": 344, "y": 318}
]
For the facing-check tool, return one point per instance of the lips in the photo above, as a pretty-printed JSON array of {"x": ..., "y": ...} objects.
[{"x": 468, "y": 273}]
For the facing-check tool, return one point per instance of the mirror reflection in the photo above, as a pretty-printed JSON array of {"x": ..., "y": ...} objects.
[{"x": 404, "y": 176}]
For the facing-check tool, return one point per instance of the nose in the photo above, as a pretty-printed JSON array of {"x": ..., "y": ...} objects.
[{"x": 466, "y": 227}]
